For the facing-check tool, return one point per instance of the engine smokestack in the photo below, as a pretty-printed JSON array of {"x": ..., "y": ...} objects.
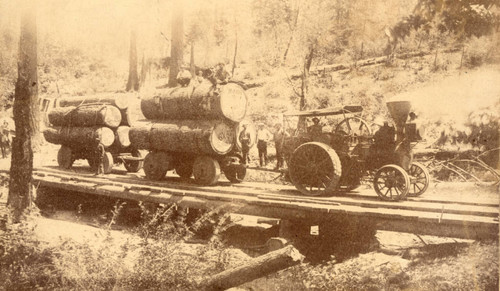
[{"x": 399, "y": 111}]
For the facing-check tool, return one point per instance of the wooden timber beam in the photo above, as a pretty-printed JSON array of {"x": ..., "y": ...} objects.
[{"x": 402, "y": 220}]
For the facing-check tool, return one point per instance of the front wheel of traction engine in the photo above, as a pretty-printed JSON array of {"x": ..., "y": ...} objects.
[
  {"x": 419, "y": 179},
  {"x": 315, "y": 169},
  {"x": 391, "y": 182}
]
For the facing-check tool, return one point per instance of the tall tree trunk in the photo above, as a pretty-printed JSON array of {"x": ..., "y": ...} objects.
[
  {"x": 235, "y": 52},
  {"x": 192, "y": 67},
  {"x": 133, "y": 79},
  {"x": 292, "y": 33},
  {"x": 305, "y": 77},
  {"x": 145, "y": 71},
  {"x": 176, "y": 51},
  {"x": 25, "y": 108}
]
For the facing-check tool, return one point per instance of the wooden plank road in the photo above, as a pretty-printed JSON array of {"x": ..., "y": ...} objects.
[{"x": 471, "y": 219}]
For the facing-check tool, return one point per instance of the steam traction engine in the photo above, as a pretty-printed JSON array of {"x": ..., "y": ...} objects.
[{"x": 322, "y": 162}]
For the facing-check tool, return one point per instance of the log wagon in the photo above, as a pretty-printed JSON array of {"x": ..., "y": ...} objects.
[
  {"x": 78, "y": 123},
  {"x": 192, "y": 130}
]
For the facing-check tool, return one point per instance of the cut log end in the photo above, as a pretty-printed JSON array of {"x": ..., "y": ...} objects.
[
  {"x": 223, "y": 137},
  {"x": 233, "y": 102}
]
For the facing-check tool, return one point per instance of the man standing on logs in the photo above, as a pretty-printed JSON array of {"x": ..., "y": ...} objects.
[
  {"x": 99, "y": 153},
  {"x": 245, "y": 141}
]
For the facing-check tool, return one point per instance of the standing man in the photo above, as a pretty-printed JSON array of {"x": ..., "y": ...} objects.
[
  {"x": 5, "y": 139},
  {"x": 245, "y": 141},
  {"x": 99, "y": 153},
  {"x": 263, "y": 136},
  {"x": 278, "y": 136}
]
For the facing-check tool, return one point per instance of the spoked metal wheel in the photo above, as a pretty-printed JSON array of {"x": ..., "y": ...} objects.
[
  {"x": 156, "y": 165},
  {"x": 206, "y": 170},
  {"x": 133, "y": 166},
  {"x": 419, "y": 179},
  {"x": 391, "y": 182},
  {"x": 315, "y": 169},
  {"x": 353, "y": 127}
]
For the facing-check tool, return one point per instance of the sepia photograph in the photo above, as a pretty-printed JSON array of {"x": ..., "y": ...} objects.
[{"x": 249, "y": 145}]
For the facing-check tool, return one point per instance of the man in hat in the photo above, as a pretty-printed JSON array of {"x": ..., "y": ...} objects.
[
  {"x": 316, "y": 129},
  {"x": 221, "y": 75},
  {"x": 245, "y": 140},
  {"x": 278, "y": 137},
  {"x": 99, "y": 152},
  {"x": 184, "y": 76},
  {"x": 263, "y": 136}
]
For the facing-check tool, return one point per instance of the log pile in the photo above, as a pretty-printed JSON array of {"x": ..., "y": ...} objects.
[
  {"x": 77, "y": 122},
  {"x": 199, "y": 120}
]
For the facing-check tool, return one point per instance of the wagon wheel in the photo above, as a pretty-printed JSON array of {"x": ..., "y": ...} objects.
[
  {"x": 184, "y": 168},
  {"x": 419, "y": 179},
  {"x": 353, "y": 127},
  {"x": 206, "y": 170},
  {"x": 235, "y": 173},
  {"x": 391, "y": 182},
  {"x": 107, "y": 162},
  {"x": 65, "y": 157},
  {"x": 133, "y": 166},
  {"x": 315, "y": 169},
  {"x": 156, "y": 165}
]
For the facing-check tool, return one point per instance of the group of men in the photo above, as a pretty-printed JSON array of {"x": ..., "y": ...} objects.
[
  {"x": 216, "y": 75},
  {"x": 263, "y": 137}
]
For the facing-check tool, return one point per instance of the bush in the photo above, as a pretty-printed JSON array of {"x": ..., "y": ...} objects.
[{"x": 480, "y": 50}]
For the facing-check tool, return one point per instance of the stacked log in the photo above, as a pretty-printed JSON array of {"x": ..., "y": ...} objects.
[
  {"x": 202, "y": 102},
  {"x": 122, "y": 139},
  {"x": 93, "y": 115},
  {"x": 120, "y": 100},
  {"x": 78, "y": 137},
  {"x": 211, "y": 137},
  {"x": 86, "y": 116}
]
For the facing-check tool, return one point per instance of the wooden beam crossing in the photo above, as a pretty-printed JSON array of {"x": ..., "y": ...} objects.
[{"x": 460, "y": 218}]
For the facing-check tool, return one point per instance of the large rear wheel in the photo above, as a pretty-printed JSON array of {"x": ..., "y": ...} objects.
[
  {"x": 315, "y": 169},
  {"x": 391, "y": 182}
]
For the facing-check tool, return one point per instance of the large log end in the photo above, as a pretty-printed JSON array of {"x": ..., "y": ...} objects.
[{"x": 233, "y": 102}]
